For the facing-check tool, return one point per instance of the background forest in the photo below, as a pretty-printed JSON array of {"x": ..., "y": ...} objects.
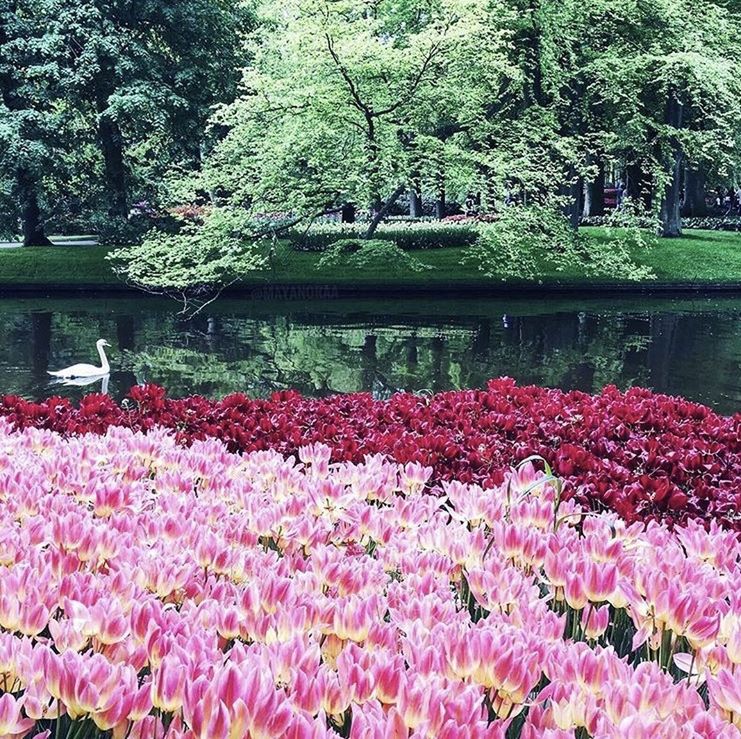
[{"x": 219, "y": 122}]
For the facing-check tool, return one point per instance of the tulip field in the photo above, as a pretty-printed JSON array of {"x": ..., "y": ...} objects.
[
  {"x": 162, "y": 585},
  {"x": 643, "y": 455}
]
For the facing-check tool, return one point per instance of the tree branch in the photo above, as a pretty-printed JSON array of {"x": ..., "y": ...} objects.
[
  {"x": 354, "y": 93},
  {"x": 431, "y": 54},
  {"x": 383, "y": 212}
]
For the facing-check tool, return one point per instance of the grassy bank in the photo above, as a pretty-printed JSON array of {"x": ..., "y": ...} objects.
[{"x": 702, "y": 257}]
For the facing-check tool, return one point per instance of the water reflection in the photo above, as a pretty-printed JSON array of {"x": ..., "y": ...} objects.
[
  {"x": 690, "y": 348},
  {"x": 100, "y": 381}
]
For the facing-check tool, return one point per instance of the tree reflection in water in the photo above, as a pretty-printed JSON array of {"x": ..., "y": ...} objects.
[{"x": 680, "y": 347}]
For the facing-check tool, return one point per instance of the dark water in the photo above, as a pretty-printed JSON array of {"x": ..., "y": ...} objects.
[{"x": 689, "y": 347}]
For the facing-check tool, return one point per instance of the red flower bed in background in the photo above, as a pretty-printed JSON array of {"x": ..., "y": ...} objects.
[{"x": 642, "y": 454}]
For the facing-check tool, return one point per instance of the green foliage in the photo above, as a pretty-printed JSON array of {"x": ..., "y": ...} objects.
[
  {"x": 727, "y": 223},
  {"x": 342, "y": 105},
  {"x": 514, "y": 245},
  {"x": 360, "y": 254},
  {"x": 629, "y": 238},
  {"x": 344, "y": 102},
  {"x": 199, "y": 260},
  {"x": 632, "y": 225},
  {"x": 526, "y": 237},
  {"x": 100, "y": 100},
  {"x": 115, "y": 230},
  {"x": 407, "y": 236}
]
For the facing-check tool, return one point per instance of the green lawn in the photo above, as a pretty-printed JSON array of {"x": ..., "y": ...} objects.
[
  {"x": 56, "y": 265},
  {"x": 698, "y": 257}
]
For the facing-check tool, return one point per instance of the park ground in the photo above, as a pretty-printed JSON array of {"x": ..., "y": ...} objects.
[{"x": 699, "y": 258}]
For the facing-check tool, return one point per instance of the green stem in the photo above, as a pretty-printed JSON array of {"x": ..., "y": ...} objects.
[
  {"x": 692, "y": 665},
  {"x": 670, "y": 654},
  {"x": 59, "y": 719}
]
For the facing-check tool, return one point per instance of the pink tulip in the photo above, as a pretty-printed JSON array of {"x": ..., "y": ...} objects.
[
  {"x": 257, "y": 596},
  {"x": 168, "y": 686},
  {"x": 724, "y": 690},
  {"x": 595, "y": 621},
  {"x": 12, "y": 723}
]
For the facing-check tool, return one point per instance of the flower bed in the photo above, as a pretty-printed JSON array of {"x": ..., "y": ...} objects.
[
  {"x": 705, "y": 223},
  {"x": 644, "y": 455},
  {"x": 151, "y": 590}
]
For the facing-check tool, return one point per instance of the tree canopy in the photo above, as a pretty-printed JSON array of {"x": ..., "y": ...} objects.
[
  {"x": 281, "y": 112},
  {"x": 366, "y": 102},
  {"x": 101, "y": 99}
]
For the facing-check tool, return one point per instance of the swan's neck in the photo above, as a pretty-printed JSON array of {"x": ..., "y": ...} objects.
[{"x": 105, "y": 368}]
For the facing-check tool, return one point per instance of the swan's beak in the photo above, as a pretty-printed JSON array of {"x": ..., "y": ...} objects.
[{"x": 105, "y": 343}]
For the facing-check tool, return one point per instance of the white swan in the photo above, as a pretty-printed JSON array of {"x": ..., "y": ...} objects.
[{"x": 87, "y": 370}]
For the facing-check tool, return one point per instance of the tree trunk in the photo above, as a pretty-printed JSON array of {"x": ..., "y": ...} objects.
[
  {"x": 440, "y": 187},
  {"x": 111, "y": 146},
  {"x": 374, "y": 165},
  {"x": 572, "y": 192},
  {"x": 381, "y": 213},
  {"x": 635, "y": 182},
  {"x": 440, "y": 205},
  {"x": 594, "y": 193},
  {"x": 671, "y": 221},
  {"x": 534, "y": 57},
  {"x": 694, "y": 204},
  {"x": 415, "y": 198},
  {"x": 576, "y": 196},
  {"x": 32, "y": 225}
]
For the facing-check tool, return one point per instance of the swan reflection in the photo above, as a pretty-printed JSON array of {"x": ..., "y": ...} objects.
[{"x": 83, "y": 381}]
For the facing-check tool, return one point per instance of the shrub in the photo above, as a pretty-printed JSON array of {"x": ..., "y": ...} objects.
[
  {"x": 706, "y": 223},
  {"x": 190, "y": 213},
  {"x": 713, "y": 223},
  {"x": 362, "y": 254},
  {"x": 409, "y": 236},
  {"x": 474, "y": 218},
  {"x": 644, "y": 221}
]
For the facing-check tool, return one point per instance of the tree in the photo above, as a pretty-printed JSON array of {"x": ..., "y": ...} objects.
[
  {"x": 332, "y": 104},
  {"x": 356, "y": 103},
  {"x": 675, "y": 94},
  {"x": 147, "y": 74},
  {"x": 29, "y": 118},
  {"x": 136, "y": 81}
]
